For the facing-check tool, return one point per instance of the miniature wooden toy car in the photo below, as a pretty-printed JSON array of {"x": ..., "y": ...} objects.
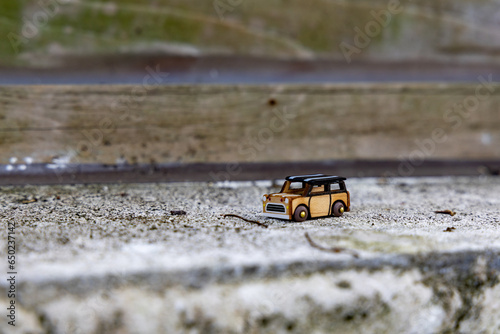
[{"x": 308, "y": 196}]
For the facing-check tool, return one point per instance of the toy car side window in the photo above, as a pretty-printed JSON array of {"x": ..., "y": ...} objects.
[
  {"x": 336, "y": 188},
  {"x": 317, "y": 189}
]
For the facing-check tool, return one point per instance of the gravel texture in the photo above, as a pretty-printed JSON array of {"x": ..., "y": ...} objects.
[{"x": 114, "y": 259}]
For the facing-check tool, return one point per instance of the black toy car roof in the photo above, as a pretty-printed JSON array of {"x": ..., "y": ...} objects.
[
  {"x": 316, "y": 179},
  {"x": 324, "y": 179},
  {"x": 301, "y": 178}
]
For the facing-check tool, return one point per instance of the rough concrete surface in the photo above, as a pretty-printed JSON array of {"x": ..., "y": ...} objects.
[{"x": 113, "y": 259}]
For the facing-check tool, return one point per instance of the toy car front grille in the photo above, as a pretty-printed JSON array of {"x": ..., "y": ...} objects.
[{"x": 275, "y": 207}]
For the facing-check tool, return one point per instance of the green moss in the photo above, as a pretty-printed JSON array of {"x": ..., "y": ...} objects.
[
  {"x": 263, "y": 27},
  {"x": 180, "y": 30},
  {"x": 10, "y": 27},
  {"x": 93, "y": 29},
  {"x": 395, "y": 26}
]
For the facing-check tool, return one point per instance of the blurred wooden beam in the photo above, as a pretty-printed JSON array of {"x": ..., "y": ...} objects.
[{"x": 163, "y": 124}]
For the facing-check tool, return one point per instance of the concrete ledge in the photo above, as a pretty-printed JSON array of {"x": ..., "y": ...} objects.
[
  {"x": 42, "y": 174},
  {"x": 114, "y": 259},
  {"x": 426, "y": 293}
]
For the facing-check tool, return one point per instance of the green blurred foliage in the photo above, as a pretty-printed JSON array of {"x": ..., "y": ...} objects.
[
  {"x": 275, "y": 28},
  {"x": 10, "y": 23}
]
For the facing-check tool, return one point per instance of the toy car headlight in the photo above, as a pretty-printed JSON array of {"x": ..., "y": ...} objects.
[
  {"x": 287, "y": 200},
  {"x": 264, "y": 198}
]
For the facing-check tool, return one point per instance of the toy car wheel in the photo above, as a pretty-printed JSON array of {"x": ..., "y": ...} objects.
[
  {"x": 301, "y": 214},
  {"x": 338, "y": 209}
]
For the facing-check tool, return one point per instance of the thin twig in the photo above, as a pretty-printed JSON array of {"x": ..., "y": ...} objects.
[
  {"x": 446, "y": 212},
  {"x": 330, "y": 250},
  {"x": 247, "y": 220},
  {"x": 28, "y": 201}
]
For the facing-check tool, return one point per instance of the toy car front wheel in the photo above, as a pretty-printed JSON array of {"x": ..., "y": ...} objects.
[
  {"x": 338, "y": 209},
  {"x": 301, "y": 214}
]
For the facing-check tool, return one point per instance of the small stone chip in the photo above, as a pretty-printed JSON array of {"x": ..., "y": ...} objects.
[{"x": 178, "y": 213}]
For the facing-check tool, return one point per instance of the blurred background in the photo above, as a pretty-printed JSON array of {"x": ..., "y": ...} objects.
[{"x": 249, "y": 81}]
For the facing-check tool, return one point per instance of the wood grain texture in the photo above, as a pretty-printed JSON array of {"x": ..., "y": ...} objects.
[{"x": 209, "y": 123}]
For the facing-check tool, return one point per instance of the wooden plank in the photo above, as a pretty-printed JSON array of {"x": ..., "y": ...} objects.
[{"x": 106, "y": 124}]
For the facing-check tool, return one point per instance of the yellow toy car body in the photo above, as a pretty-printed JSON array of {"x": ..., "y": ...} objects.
[{"x": 308, "y": 196}]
